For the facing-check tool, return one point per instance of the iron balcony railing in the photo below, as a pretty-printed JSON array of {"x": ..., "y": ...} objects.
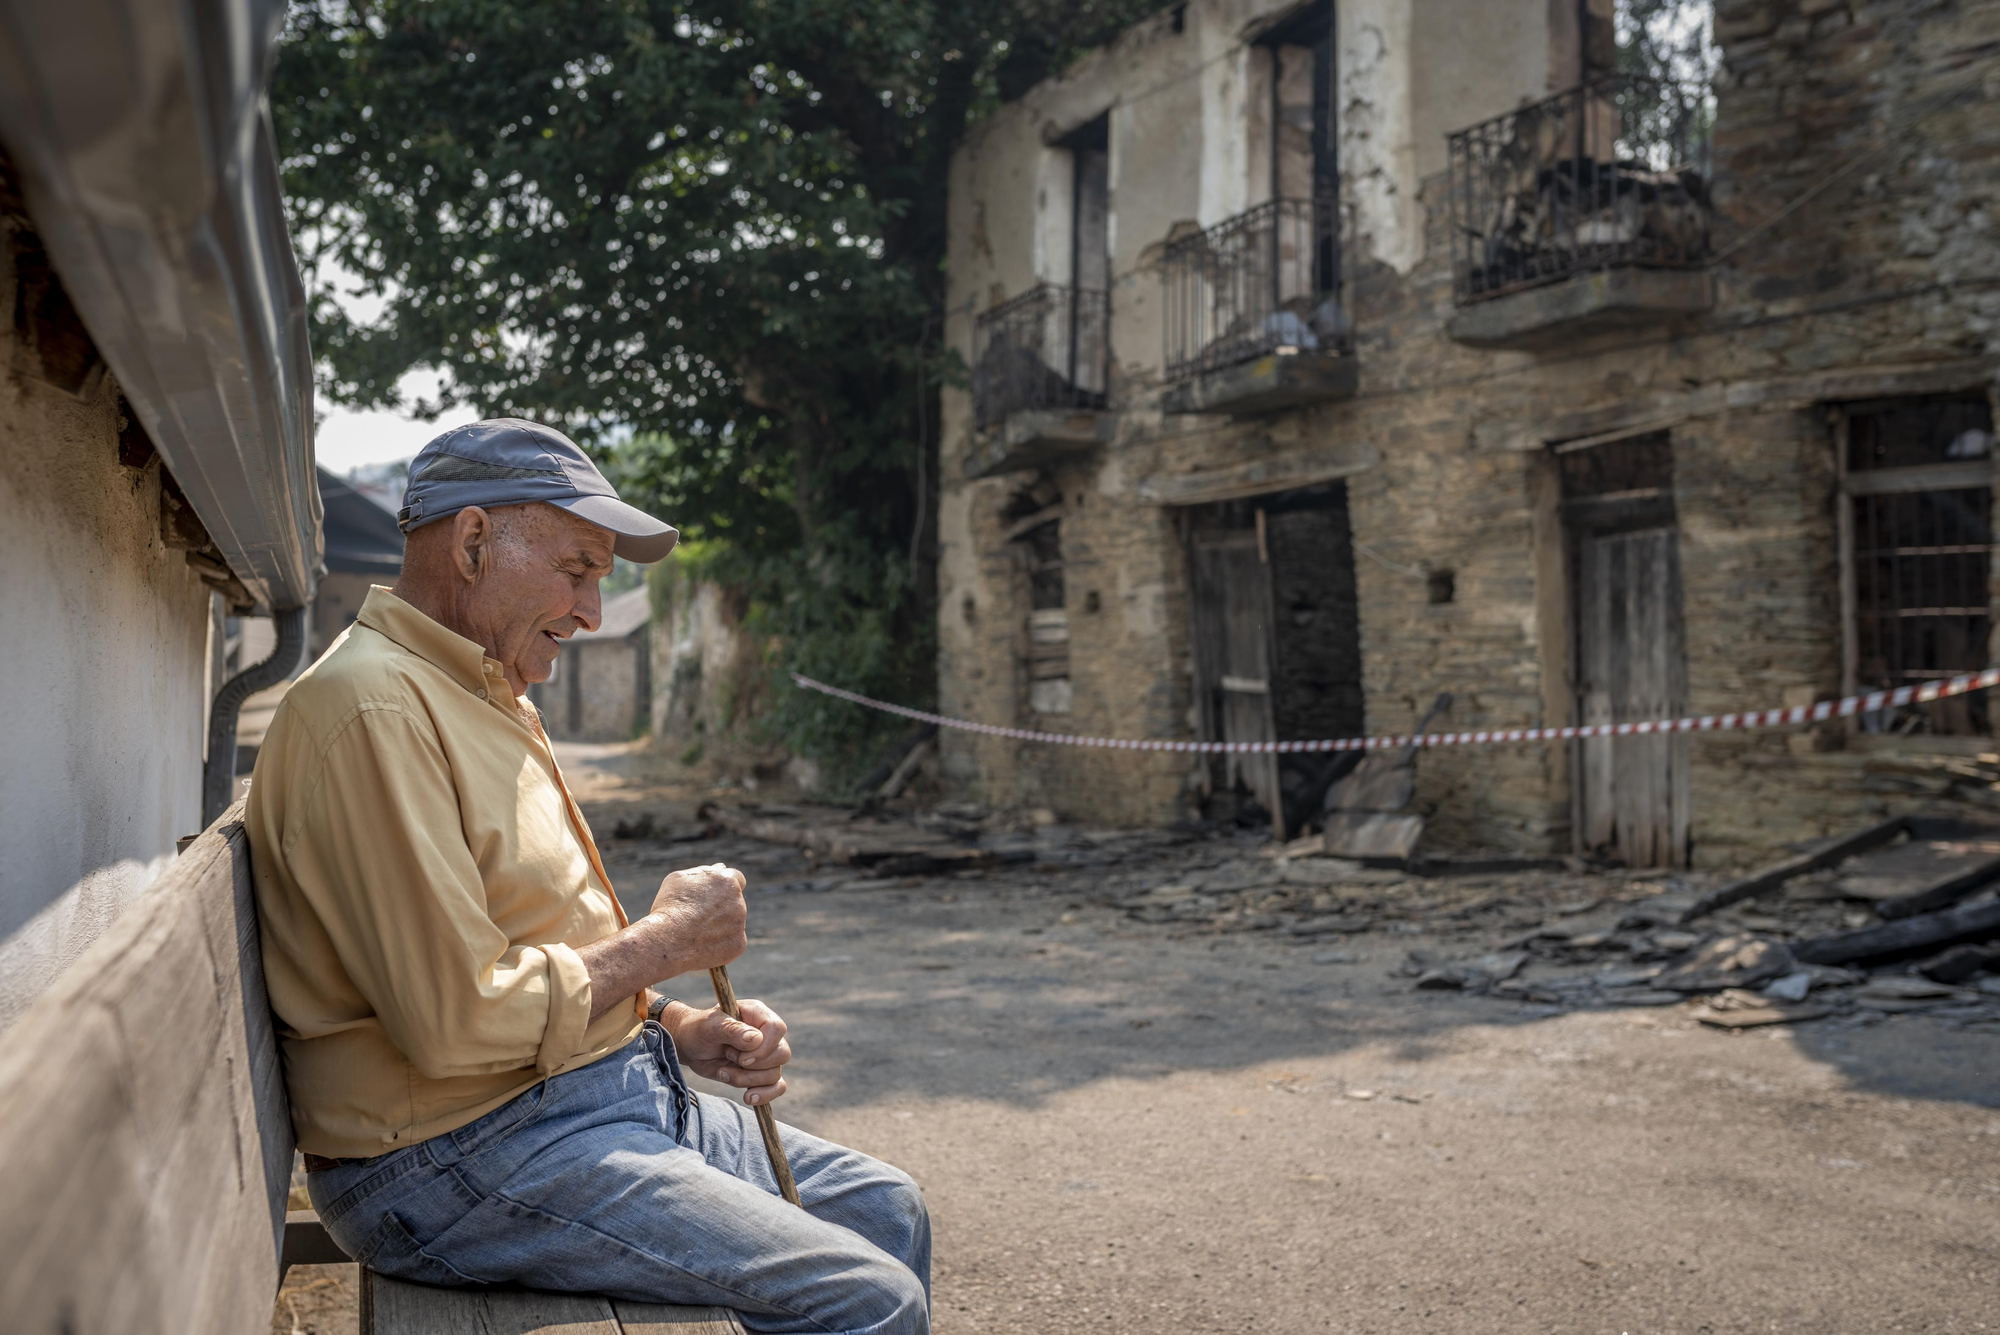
[
  {"x": 1264, "y": 280},
  {"x": 1612, "y": 173},
  {"x": 1050, "y": 347}
]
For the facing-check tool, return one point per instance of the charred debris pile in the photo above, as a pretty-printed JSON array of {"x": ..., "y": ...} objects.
[{"x": 1902, "y": 916}]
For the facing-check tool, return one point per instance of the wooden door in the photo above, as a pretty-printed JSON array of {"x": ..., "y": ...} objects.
[
  {"x": 1231, "y": 578},
  {"x": 1631, "y": 665}
]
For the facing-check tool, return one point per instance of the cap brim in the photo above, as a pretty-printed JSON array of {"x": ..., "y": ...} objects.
[{"x": 641, "y": 537}]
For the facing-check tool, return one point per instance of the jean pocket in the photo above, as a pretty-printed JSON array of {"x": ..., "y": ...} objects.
[
  {"x": 394, "y": 1251},
  {"x": 485, "y": 1132},
  {"x": 339, "y": 1192}
]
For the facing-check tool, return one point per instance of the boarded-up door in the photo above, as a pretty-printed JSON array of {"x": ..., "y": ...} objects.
[
  {"x": 1632, "y": 665},
  {"x": 1231, "y": 578}
]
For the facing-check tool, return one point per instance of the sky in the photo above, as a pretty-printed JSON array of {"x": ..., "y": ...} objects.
[{"x": 347, "y": 439}]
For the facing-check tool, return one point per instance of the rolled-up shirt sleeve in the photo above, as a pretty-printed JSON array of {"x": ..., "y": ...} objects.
[{"x": 379, "y": 852}]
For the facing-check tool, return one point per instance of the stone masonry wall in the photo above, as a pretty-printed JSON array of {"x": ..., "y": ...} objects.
[{"x": 1884, "y": 282}]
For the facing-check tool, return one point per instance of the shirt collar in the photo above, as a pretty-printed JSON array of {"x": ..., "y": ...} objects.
[{"x": 465, "y": 662}]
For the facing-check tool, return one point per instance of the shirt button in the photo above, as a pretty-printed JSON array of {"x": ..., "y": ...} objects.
[{"x": 482, "y": 692}]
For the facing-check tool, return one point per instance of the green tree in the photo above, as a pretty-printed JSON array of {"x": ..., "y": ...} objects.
[{"x": 708, "y": 242}]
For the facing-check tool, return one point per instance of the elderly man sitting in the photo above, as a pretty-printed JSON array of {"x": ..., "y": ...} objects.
[{"x": 486, "y": 1089}]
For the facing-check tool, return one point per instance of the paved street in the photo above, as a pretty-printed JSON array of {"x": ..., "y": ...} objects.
[{"x": 1133, "y": 1126}]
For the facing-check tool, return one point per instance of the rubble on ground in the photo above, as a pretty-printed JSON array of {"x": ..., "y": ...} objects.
[{"x": 1817, "y": 938}]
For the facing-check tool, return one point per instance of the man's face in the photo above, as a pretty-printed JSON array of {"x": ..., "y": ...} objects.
[{"x": 537, "y": 586}]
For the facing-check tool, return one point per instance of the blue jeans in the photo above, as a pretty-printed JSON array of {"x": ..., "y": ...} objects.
[{"x": 617, "y": 1179}]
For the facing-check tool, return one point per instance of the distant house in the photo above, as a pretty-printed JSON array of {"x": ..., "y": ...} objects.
[
  {"x": 363, "y": 547},
  {"x": 602, "y": 690}
]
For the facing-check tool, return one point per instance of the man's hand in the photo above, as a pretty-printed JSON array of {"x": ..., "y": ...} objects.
[
  {"x": 703, "y": 915},
  {"x": 697, "y": 922},
  {"x": 749, "y": 1054}
]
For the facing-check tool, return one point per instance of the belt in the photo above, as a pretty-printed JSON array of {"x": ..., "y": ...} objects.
[{"x": 319, "y": 1163}]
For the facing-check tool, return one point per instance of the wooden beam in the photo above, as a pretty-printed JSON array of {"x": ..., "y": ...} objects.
[
  {"x": 1775, "y": 875},
  {"x": 1968, "y": 922},
  {"x": 1368, "y": 836},
  {"x": 1020, "y": 528},
  {"x": 1279, "y": 472},
  {"x": 1924, "y": 477},
  {"x": 1637, "y": 413},
  {"x": 1942, "y": 893}
]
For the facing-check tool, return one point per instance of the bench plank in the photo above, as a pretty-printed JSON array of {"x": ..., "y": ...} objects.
[
  {"x": 656, "y": 1319},
  {"x": 143, "y": 1119},
  {"x": 397, "y": 1307}
]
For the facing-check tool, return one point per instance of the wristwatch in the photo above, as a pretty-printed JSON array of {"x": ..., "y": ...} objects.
[{"x": 658, "y": 1007}]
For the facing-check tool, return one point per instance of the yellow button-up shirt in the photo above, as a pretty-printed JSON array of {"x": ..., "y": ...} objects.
[{"x": 423, "y": 879}]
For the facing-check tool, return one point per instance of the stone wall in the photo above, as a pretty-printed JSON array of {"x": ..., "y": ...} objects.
[
  {"x": 1883, "y": 284},
  {"x": 705, "y": 665}
]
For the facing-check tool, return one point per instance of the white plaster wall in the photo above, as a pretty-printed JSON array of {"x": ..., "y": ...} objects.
[
  {"x": 1378, "y": 152},
  {"x": 1235, "y": 115},
  {"x": 1055, "y": 222},
  {"x": 1411, "y": 72},
  {"x": 1476, "y": 59},
  {"x": 106, "y": 633}
]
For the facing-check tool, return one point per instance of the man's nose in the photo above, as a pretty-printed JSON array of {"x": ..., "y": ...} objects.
[{"x": 589, "y": 608}]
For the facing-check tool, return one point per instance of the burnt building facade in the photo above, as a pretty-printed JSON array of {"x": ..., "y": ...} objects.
[{"x": 1324, "y": 359}]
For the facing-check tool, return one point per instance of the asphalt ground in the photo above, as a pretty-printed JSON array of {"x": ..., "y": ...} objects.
[{"x": 1131, "y": 1126}]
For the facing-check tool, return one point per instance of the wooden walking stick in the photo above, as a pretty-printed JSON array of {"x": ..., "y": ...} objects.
[{"x": 767, "y": 1121}]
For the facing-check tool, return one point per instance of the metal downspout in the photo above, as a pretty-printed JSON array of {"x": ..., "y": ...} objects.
[{"x": 218, "y": 773}]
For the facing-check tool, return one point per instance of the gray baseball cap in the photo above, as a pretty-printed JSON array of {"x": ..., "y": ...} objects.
[{"x": 508, "y": 461}]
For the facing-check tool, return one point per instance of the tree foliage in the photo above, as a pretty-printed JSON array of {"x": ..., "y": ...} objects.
[
  {"x": 1667, "y": 39},
  {"x": 709, "y": 241}
]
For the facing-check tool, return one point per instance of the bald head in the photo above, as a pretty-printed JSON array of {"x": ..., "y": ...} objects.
[{"x": 516, "y": 580}]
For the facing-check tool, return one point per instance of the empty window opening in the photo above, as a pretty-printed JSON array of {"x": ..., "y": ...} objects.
[
  {"x": 1916, "y": 529},
  {"x": 1304, "y": 162},
  {"x": 1268, "y": 279},
  {"x": 1039, "y": 552},
  {"x": 1050, "y": 347}
]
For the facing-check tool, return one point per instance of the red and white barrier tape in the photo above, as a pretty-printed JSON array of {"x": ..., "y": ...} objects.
[{"x": 1759, "y": 718}]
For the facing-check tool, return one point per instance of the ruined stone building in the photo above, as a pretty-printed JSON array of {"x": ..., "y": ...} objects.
[{"x": 1325, "y": 358}]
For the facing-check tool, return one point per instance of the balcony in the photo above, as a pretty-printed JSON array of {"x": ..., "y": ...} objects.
[
  {"x": 1254, "y": 321},
  {"x": 1588, "y": 210},
  {"x": 1041, "y": 365}
]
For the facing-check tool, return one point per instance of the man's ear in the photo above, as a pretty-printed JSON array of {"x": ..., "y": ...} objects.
[{"x": 471, "y": 542}]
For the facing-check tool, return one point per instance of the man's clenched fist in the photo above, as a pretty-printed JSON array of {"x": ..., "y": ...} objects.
[{"x": 701, "y": 911}]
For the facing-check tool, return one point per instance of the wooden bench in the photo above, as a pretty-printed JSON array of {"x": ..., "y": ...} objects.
[{"x": 146, "y": 1145}]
